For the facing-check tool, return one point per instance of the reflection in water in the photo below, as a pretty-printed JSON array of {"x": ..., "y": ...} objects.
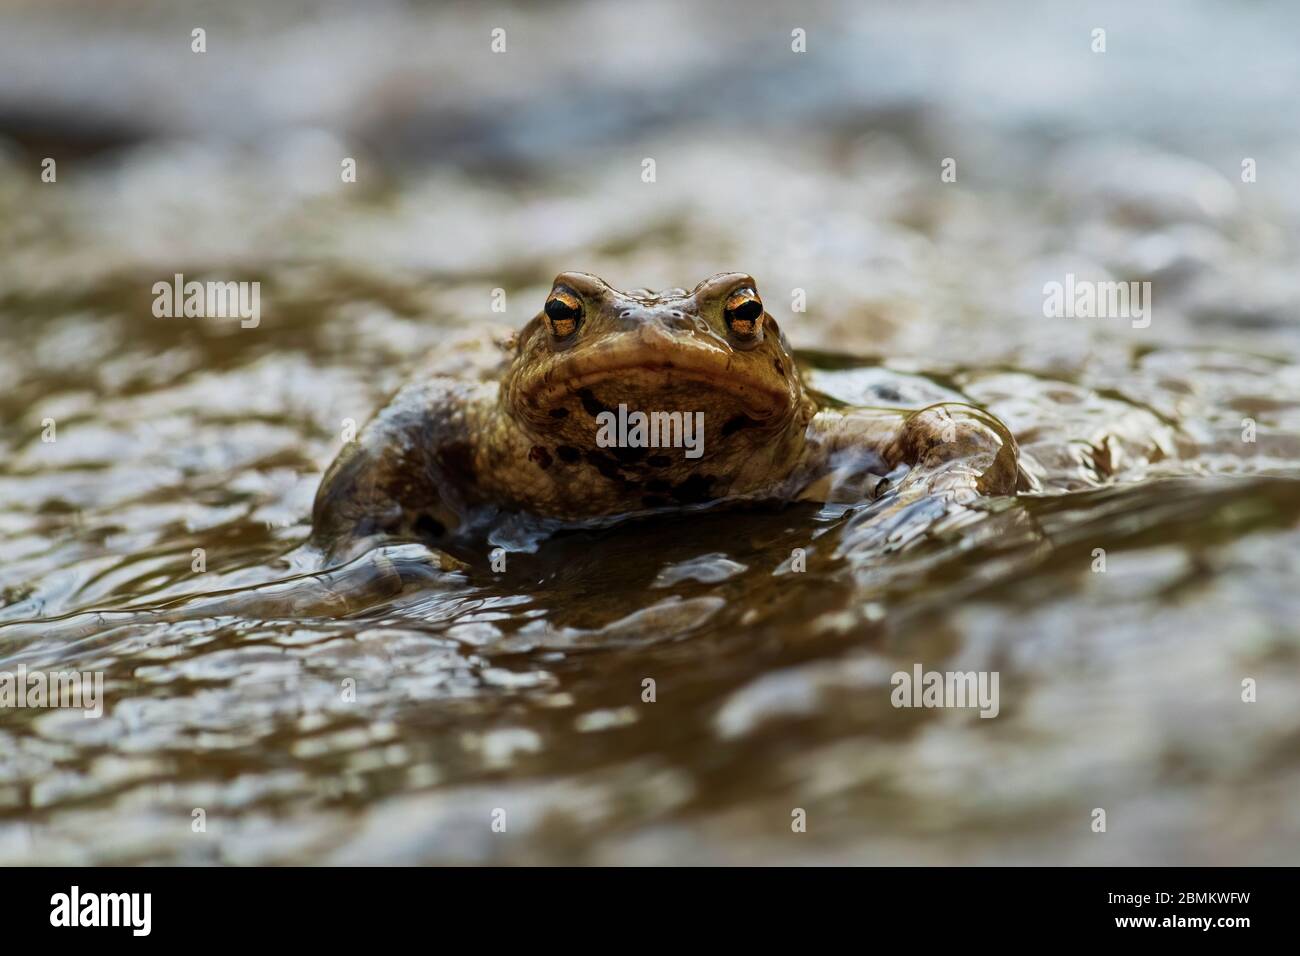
[{"x": 381, "y": 710}]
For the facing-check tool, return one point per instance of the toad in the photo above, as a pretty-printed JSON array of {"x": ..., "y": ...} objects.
[{"x": 611, "y": 403}]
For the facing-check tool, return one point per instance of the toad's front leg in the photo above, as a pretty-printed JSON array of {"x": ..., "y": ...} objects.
[
  {"x": 957, "y": 449},
  {"x": 405, "y": 474},
  {"x": 952, "y": 450}
]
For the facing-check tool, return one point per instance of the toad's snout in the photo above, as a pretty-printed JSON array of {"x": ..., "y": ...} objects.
[{"x": 657, "y": 326}]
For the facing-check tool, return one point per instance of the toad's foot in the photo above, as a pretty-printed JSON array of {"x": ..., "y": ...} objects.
[
  {"x": 957, "y": 451},
  {"x": 951, "y": 450},
  {"x": 949, "y": 457}
]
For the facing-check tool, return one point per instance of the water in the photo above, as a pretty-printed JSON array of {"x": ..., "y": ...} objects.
[{"x": 524, "y": 691}]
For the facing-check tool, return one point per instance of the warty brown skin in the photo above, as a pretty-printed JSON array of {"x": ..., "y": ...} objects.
[{"x": 512, "y": 424}]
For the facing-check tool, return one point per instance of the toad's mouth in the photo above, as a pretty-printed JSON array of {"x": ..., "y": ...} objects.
[{"x": 682, "y": 378}]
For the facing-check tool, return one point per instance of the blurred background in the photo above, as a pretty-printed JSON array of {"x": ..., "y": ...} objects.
[{"x": 816, "y": 171}]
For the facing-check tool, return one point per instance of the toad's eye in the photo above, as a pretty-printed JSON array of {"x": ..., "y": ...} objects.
[
  {"x": 744, "y": 313},
  {"x": 563, "y": 312}
]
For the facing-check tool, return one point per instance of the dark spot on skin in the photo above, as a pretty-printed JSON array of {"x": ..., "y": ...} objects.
[
  {"x": 427, "y": 526},
  {"x": 693, "y": 489},
  {"x": 736, "y": 424},
  {"x": 559, "y": 413},
  {"x": 654, "y": 501},
  {"x": 567, "y": 453},
  {"x": 540, "y": 455},
  {"x": 659, "y": 486},
  {"x": 658, "y": 461},
  {"x": 628, "y": 456},
  {"x": 780, "y": 369},
  {"x": 457, "y": 461},
  {"x": 591, "y": 403},
  {"x": 605, "y": 465}
]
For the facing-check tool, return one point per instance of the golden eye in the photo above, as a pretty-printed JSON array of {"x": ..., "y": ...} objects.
[
  {"x": 744, "y": 313},
  {"x": 562, "y": 313}
]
